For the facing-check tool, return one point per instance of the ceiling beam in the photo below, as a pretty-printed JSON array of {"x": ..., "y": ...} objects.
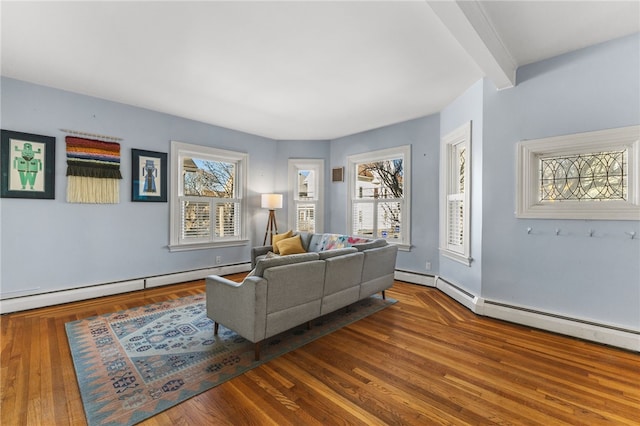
[{"x": 468, "y": 22}]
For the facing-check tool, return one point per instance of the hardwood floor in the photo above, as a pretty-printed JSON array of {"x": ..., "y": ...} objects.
[{"x": 425, "y": 360}]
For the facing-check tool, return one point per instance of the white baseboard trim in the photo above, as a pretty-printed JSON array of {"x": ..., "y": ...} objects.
[
  {"x": 465, "y": 298},
  {"x": 72, "y": 295},
  {"x": 66, "y": 296},
  {"x": 415, "y": 278},
  {"x": 600, "y": 333},
  {"x": 198, "y": 274}
]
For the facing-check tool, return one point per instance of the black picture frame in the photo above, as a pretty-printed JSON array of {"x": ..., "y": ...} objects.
[
  {"x": 148, "y": 176},
  {"x": 28, "y": 165}
]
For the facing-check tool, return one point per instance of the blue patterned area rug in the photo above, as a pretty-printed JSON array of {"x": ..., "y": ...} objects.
[{"x": 136, "y": 363}]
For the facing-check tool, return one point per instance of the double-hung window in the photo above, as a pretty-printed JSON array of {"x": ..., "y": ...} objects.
[
  {"x": 379, "y": 194},
  {"x": 456, "y": 195},
  {"x": 207, "y": 202},
  {"x": 306, "y": 183}
]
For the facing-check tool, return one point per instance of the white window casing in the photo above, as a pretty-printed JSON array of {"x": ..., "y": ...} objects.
[
  {"x": 558, "y": 176},
  {"x": 306, "y": 195},
  {"x": 375, "y": 211},
  {"x": 207, "y": 219},
  {"x": 455, "y": 189}
]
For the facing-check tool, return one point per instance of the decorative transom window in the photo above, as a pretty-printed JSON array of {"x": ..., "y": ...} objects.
[
  {"x": 306, "y": 183},
  {"x": 207, "y": 203},
  {"x": 455, "y": 184},
  {"x": 590, "y": 175},
  {"x": 379, "y": 194}
]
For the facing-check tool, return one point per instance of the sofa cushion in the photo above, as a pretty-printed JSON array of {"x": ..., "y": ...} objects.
[
  {"x": 305, "y": 237},
  {"x": 265, "y": 264},
  {"x": 337, "y": 252},
  {"x": 291, "y": 245},
  {"x": 380, "y": 242},
  {"x": 279, "y": 237}
]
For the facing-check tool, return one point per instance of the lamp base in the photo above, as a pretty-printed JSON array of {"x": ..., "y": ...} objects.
[{"x": 271, "y": 226}]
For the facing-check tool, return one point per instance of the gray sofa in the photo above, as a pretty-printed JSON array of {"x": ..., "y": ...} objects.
[{"x": 283, "y": 292}]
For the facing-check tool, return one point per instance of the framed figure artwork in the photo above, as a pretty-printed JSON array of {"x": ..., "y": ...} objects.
[
  {"x": 28, "y": 165},
  {"x": 148, "y": 176}
]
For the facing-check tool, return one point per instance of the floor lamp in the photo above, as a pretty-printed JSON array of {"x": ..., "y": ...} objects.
[{"x": 271, "y": 202}]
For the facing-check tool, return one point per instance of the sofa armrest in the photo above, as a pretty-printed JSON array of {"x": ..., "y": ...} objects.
[
  {"x": 259, "y": 251},
  {"x": 241, "y": 307}
]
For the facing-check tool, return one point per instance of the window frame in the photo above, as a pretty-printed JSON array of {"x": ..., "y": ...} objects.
[
  {"x": 449, "y": 175},
  {"x": 317, "y": 165},
  {"x": 404, "y": 152},
  {"x": 180, "y": 150},
  {"x": 529, "y": 152}
]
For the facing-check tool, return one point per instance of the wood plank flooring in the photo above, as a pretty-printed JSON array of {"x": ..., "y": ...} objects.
[{"x": 425, "y": 360}]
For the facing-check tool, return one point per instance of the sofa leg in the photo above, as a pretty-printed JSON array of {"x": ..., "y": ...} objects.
[
  {"x": 308, "y": 325},
  {"x": 256, "y": 349},
  {"x": 215, "y": 327},
  {"x": 384, "y": 296}
]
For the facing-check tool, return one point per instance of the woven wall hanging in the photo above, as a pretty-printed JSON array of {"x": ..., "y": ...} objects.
[{"x": 93, "y": 171}]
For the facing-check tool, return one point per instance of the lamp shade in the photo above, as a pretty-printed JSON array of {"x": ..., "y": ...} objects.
[{"x": 271, "y": 201}]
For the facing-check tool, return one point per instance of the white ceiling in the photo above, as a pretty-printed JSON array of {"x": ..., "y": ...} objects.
[{"x": 294, "y": 70}]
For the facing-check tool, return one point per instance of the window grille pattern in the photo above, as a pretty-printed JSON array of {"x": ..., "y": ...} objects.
[{"x": 598, "y": 176}]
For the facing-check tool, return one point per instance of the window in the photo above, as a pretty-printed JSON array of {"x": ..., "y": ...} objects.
[
  {"x": 590, "y": 175},
  {"x": 379, "y": 194},
  {"x": 207, "y": 204},
  {"x": 456, "y": 189},
  {"x": 306, "y": 183}
]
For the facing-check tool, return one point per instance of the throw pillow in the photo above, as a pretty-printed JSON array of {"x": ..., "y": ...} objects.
[
  {"x": 279, "y": 237},
  {"x": 291, "y": 245}
]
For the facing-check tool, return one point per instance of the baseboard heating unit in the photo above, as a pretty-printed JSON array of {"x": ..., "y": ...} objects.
[
  {"x": 575, "y": 327},
  {"x": 21, "y": 303}
]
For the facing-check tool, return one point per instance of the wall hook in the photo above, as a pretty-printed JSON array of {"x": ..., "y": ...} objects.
[
  {"x": 529, "y": 230},
  {"x": 557, "y": 231},
  {"x": 632, "y": 234},
  {"x": 591, "y": 232}
]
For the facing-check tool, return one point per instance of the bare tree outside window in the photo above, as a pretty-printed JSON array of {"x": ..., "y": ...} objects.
[{"x": 382, "y": 181}]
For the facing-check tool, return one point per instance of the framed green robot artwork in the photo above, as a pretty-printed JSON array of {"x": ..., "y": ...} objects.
[{"x": 27, "y": 165}]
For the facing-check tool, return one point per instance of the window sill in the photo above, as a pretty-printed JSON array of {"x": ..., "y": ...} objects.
[
  {"x": 401, "y": 246},
  {"x": 456, "y": 256},
  {"x": 205, "y": 246}
]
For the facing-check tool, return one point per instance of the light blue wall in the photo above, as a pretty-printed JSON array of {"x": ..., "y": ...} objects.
[
  {"x": 423, "y": 135},
  {"x": 595, "y": 278},
  {"x": 50, "y": 245},
  {"x": 468, "y": 107}
]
